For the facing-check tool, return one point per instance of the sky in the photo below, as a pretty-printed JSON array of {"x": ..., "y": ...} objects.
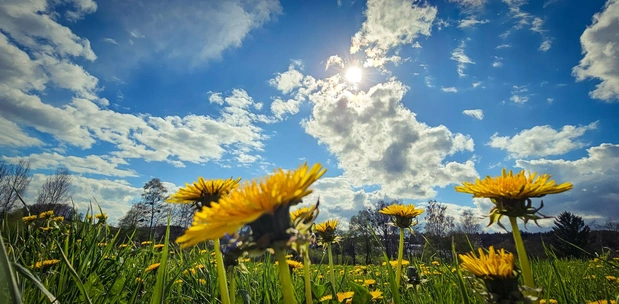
[{"x": 448, "y": 91}]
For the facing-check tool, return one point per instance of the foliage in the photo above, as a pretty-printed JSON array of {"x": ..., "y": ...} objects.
[
  {"x": 570, "y": 232},
  {"x": 14, "y": 180},
  {"x": 56, "y": 189}
]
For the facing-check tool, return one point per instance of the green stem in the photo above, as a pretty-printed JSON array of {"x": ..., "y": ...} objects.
[
  {"x": 522, "y": 254},
  {"x": 284, "y": 277},
  {"x": 331, "y": 270},
  {"x": 232, "y": 284},
  {"x": 398, "y": 271},
  {"x": 221, "y": 274},
  {"x": 306, "y": 274}
]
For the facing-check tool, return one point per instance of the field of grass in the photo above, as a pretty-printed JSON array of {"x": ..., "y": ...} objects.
[{"x": 84, "y": 262}]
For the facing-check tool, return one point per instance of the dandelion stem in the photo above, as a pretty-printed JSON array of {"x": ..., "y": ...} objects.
[
  {"x": 232, "y": 284},
  {"x": 398, "y": 271},
  {"x": 284, "y": 277},
  {"x": 331, "y": 270},
  {"x": 306, "y": 274},
  {"x": 522, "y": 254},
  {"x": 221, "y": 274}
]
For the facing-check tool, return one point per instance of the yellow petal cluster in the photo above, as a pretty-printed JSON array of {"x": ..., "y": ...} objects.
[
  {"x": 329, "y": 225},
  {"x": 205, "y": 191},
  {"x": 295, "y": 214},
  {"x": 250, "y": 202},
  {"x": 405, "y": 211},
  {"x": 494, "y": 264},
  {"x": 518, "y": 186}
]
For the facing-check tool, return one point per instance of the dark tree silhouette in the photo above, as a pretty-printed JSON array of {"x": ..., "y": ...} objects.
[
  {"x": 570, "y": 228},
  {"x": 152, "y": 208},
  {"x": 13, "y": 178},
  {"x": 56, "y": 189}
]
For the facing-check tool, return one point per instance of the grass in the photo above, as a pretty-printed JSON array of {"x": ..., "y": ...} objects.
[{"x": 91, "y": 265}]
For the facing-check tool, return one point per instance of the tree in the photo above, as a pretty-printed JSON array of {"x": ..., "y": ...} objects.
[
  {"x": 439, "y": 226},
  {"x": 570, "y": 228},
  {"x": 182, "y": 214},
  {"x": 132, "y": 218},
  {"x": 381, "y": 224},
  {"x": 469, "y": 223},
  {"x": 153, "y": 208},
  {"x": 13, "y": 178},
  {"x": 56, "y": 189},
  {"x": 359, "y": 229}
]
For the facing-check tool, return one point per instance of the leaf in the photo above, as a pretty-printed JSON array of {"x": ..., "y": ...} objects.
[
  {"x": 159, "y": 292},
  {"x": 25, "y": 272},
  {"x": 362, "y": 295},
  {"x": 74, "y": 275},
  {"x": 9, "y": 291},
  {"x": 318, "y": 290}
]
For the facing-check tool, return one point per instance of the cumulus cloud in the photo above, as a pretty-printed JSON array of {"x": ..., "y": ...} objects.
[
  {"x": 545, "y": 46},
  {"x": 13, "y": 136},
  {"x": 503, "y": 46},
  {"x": 601, "y": 55},
  {"x": 91, "y": 164},
  {"x": 541, "y": 141},
  {"x": 289, "y": 80},
  {"x": 380, "y": 142},
  {"x": 334, "y": 60},
  {"x": 595, "y": 180},
  {"x": 391, "y": 24},
  {"x": 476, "y": 84},
  {"x": 477, "y": 113},
  {"x": 280, "y": 108},
  {"x": 464, "y": 23},
  {"x": 462, "y": 59},
  {"x": 449, "y": 90},
  {"x": 497, "y": 63},
  {"x": 469, "y": 4}
]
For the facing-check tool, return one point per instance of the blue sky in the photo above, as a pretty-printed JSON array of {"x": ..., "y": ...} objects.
[{"x": 123, "y": 91}]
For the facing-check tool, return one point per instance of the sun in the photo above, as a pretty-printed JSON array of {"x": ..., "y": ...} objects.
[{"x": 354, "y": 74}]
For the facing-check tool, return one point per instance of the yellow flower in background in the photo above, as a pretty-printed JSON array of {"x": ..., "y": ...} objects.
[
  {"x": 603, "y": 302},
  {"x": 46, "y": 228},
  {"x": 58, "y": 218},
  {"x": 326, "y": 231},
  {"x": 250, "y": 202},
  {"x": 326, "y": 298},
  {"x": 402, "y": 215},
  {"x": 395, "y": 263},
  {"x": 369, "y": 282},
  {"x": 147, "y": 243},
  {"x": 294, "y": 264},
  {"x": 28, "y": 219},
  {"x": 101, "y": 216},
  {"x": 295, "y": 214},
  {"x": 202, "y": 281},
  {"x": 550, "y": 301},
  {"x": 152, "y": 267},
  {"x": 510, "y": 186},
  {"x": 341, "y": 296},
  {"x": 376, "y": 295},
  {"x": 204, "y": 192},
  {"x": 46, "y": 214},
  {"x": 45, "y": 264},
  {"x": 123, "y": 246},
  {"x": 489, "y": 266}
]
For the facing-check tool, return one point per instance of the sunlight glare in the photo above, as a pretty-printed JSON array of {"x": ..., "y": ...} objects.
[{"x": 354, "y": 74}]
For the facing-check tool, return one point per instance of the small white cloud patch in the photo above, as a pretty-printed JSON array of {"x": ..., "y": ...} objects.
[{"x": 477, "y": 113}]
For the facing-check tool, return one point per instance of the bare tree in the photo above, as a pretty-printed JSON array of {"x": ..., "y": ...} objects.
[
  {"x": 438, "y": 223},
  {"x": 132, "y": 218},
  {"x": 469, "y": 223},
  {"x": 153, "y": 208},
  {"x": 381, "y": 224},
  {"x": 182, "y": 214},
  {"x": 13, "y": 178},
  {"x": 56, "y": 189}
]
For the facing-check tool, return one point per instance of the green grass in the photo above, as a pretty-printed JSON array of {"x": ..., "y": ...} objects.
[{"x": 93, "y": 267}]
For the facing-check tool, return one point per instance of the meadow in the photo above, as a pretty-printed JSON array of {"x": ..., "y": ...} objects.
[{"x": 46, "y": 259}]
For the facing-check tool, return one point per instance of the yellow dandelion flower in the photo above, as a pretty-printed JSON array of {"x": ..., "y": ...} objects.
[
  {"x": 347, "y": 296},
  {"x": 512, "y": 186},
  {"x": 492, "y": 265},
  {"x": 202, "y": 281},
  {"x": 294, "y": 264},
  {"x": 550, "y": 301},
  {"x": 369, "y": 282},
  {"x": 204, "y": 192},
  {"x": 58, "y": 218},
  {"x": 251, "y": 202},
  {"x": 603, "y": 302},
  {"x": 178, "y": 281},
  {"x": 436, "y": 263},
  {"x": 203, "y": 251},
  {"x": 28, "y": 219},
  {"x": 402, "y": 215},
  {"x": 376, "y": 295},
  {"x": 101, "y": 216},
  {"x": 147, "y": 243},
  {"x": 157, "y": 246},
  {"x": 326, "y": 298},
  {"x": 46, "y": 263},
  {"x": 46, "y": 214},
  {"x": 326, "y": 231},
  {"x": 46, "y": 228},
  {"x": 611, "y": 278},
  {"x": 123, "y": 246},
  {"x": 152, "y": 267},
  {"x": 139, "y": 280},
  {"x": 102, "y": 244},
  {"x": 395, "y": 264}
]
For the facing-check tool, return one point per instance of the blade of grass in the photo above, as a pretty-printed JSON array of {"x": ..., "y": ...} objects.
[
  {"x": 159, "y": 292},
  {"x": 395, "y": 292},
  {"x": 8, "y": 283},
  {"x": 74, "y": 274},
  {"x": 26, "y": 273}
]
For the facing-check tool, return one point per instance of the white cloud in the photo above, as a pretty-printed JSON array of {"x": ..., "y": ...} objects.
[
  {"x": 13, "y": 136},
  {"x": 541, "y": 141},
  {"x": 334, "y": 60},
  {"x": 477, "y": 113},
  {"x": 503, "y": 46},
  {"x": 595, "y": 192},
  {"x": 545, "y": 46},
  {"x": 279, "y": 108},
  {"x": 519, "y": 98},
  {"x": 497, "y": 63},
  {"x": 110, "y": 40},
  {"x": 449, "y": 90},
  {"x": 289, "y": 80},
  {"x": 462, "y": 59},
  {"x": 91, "y": 164},
  {"x": 601, "y": 55},
  {"x": 80, "y": 9},
  {"x": 405, "y": 157},
  {"x": 390, "y": 24},
  {"x": 550, "y": 100},
  {"x": 469, "y": 4},
  {"x": 476, "y": 84},
  {"x": 464, "y": 23}
]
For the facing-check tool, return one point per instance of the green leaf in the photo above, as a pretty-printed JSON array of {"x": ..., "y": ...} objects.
[
  {"x": 74, "y": 275},
  {"x": 26, "y": 273},
  {"x": 318, "y": 290},
  {"x": 159, "y": 292},
  {"x": 9, "y": 291},
  {"x": 362, "y": 295}
]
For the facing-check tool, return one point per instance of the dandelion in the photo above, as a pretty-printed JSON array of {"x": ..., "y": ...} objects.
[
  {"x": 326, "y": 233},
  {"x": 58, "y": 218},
  {"x": 376, "y": 295},
  {"x": 402, "y": 216},
  {"x": 345, "y": 296},
  {"x": 46, "y": 263},
  {"x": 147, "y": 243},
  {"x": 123, "y": 246},
  {"x": 152, "y": 267},
  {"x": 326, "y": 298},
  {"x": 202, "y": 281},
  {"x": 29, "y": 219},
  {"x": 603, "y": 302},
  {"x": 101, "y": 216},
  {"x": 294, "y": 264},
  {"x": 369, "y": 282},
  {"x": 204, "y": 192},
  {"x": 46, "y": 228},
  {"x": 157, "y": 246},
  {"x": 511, "y": 196},
  {"x": 305, "y": 216},
  {"x": 611, "y": 278},
  {"x": 178, "y": 281},
  {"x": 550, "y": 301},
  {"x": 46, "y": 214},
  {"x": 395, "y": 264}
]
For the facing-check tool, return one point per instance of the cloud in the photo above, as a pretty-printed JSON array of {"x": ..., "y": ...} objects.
[
  {"x": 378, "y": 141},
  {"x": 279, "y": 108},
  {"x": 476, "y": 84},
  {"x": 595, "y": 192},
  {"x": 110, "y": 40},
  {"x": 601, "y": 55},
  {"x": 464, "y": 23},
  {"x": 449, "y": 90},
  {"x": 497, "y": 63},
  {"x": 462, "y": 59},
  {"x": 518, "y": 94},
  {"x": 503, "y": 46},
  {"x": 334, "y": 60},
  {"x": 91, "y": 164},
  {"x": 390, "y": 24},
  {"x": 550, "y": 100},
  {"x": 545, "y": 46},
  {"x": 289, "y": 80},
  {"x": 477, "y": 113},
  {"x": 470, "y": 4},
  {"x": 541, "y": 141},
  {"x": 13, "y": 136}
]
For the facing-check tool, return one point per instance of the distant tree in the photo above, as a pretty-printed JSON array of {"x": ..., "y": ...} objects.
[
  {"x": 381, "y": 224},
  {"x": 56, "y": 189},
  {"x": 65, "y": 210},
  {"x": 153, "y": 208},
  {"x": 13, "y": 178},
  {"x": 570, "y": 228},
  {"x": 468, "y": 223},
  {"x": 182, "y": 214},
  {"x": 438, "y": 227},
  {"x": 359, "y": 229},
  {"x": 131, "y": 219},
  {"x": 608, "y": 225}
]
